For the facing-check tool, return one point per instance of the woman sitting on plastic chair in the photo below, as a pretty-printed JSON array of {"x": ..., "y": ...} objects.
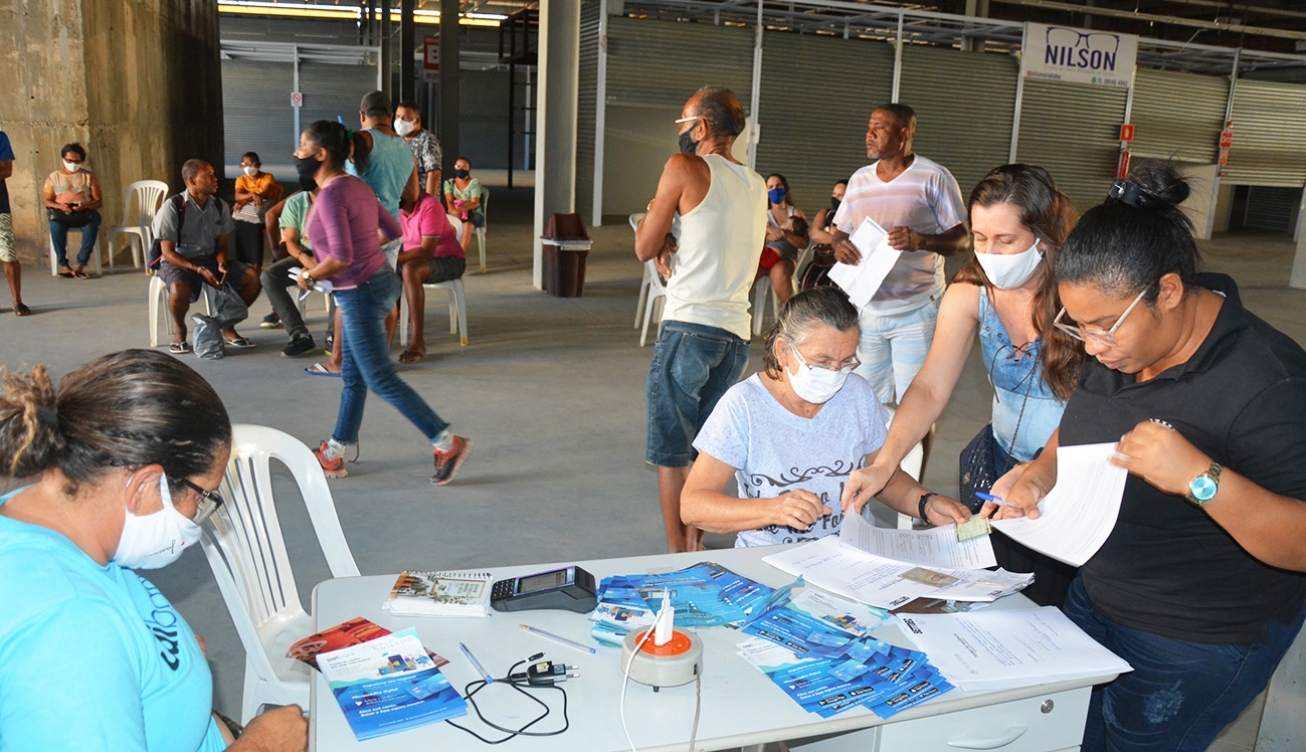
[
  {"x": 121, "y": 460},
  {"x": 462, "y": 196},
  {"x": 72, "y": 200},
  {"x": 791, "y": 435},
  {"x": 431, "y": 254}
]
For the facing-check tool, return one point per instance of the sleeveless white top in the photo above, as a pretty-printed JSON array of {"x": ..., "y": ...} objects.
[{"x": 720, "y": 243}]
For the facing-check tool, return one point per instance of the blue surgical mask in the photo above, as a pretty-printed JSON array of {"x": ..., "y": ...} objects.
[
  {"x": 776, "y": 195},
  {"x": 462, "y": 173}
]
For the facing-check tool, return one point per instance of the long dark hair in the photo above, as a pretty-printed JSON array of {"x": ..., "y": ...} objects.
[
  {"x": 1136, "y": 237},
  {"x": 127, "y": 409},
  {"x": 1048, "y": 213},
  {"x": 338, "y": 143}
]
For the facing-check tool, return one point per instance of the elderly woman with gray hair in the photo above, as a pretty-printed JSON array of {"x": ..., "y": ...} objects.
[{"x": 792, "y": 433}]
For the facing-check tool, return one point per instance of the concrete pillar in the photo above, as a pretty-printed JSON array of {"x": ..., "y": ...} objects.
[
  {"x": 449, "y": 85},
  {"x": 555, "y": 117},
  {"x": 407, "y": 50},
  {"x": 1298, "y": 278},
  {"x": 137, "y": 82}
]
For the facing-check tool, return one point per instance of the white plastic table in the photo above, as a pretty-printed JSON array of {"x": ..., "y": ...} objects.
[{"x": 740, "y": 705}]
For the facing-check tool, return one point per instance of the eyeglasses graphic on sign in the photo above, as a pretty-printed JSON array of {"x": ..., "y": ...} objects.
[{"x": 1097, "y": 41}]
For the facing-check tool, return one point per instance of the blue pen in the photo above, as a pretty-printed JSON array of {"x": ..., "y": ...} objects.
[
  {"x": 477, "y": 664},
  {"x": 995, "y": 499}
]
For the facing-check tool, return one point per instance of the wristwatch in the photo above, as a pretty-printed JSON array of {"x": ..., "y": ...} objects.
[
  {"x": 925, "y": 500},
  {"x": 1204, "y": 487},
  {"x": 304, "y": 275}
]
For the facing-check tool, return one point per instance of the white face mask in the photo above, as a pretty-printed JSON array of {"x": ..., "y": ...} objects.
[
  {"x": 250, "y": 170},
  {"x": 72, "y": 166},
  {"x": 155, "y": 540},
  {"x": 403, "y": 127},
  {"x": 816, "y": 385},
  {"x": 1008, "y": 271}
]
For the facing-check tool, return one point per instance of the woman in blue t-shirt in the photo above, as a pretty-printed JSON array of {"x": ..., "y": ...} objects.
[
  {"x": 121, "y": 461},
  {"x": 791, "y": 434}
]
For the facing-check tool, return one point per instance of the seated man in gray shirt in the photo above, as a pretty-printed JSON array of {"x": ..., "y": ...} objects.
[{"x": 194, "y": 245}]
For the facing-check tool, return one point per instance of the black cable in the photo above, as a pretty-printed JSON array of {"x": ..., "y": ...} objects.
[{"x": 520, "y": 685}]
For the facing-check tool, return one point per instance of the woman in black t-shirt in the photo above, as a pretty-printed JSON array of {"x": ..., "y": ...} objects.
[{"x": 1199, "y": 585}]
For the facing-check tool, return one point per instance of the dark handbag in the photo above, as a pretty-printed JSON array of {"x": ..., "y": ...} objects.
[
  {"x": 79, "y": 218},
  {"x": 817, "y": 272},
  {"x": 975, "y": 469}
]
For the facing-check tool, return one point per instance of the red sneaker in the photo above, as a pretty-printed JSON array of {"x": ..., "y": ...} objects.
[
  {"x": 332, "y": 458},
  {"x": 448, "y": 461}
]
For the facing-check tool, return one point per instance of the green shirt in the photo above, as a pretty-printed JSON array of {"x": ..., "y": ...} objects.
[
  {"x": 294, "y": 214},
  {"x": 473, "y": 190}
]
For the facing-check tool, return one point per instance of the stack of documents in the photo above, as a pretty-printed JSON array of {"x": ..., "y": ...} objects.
[
  {"x": 817, "y": 648},
  {"x": 1004, "y": 649},
  {"x": 887, "y": 568},
  {"x": 704, "y": 595}
]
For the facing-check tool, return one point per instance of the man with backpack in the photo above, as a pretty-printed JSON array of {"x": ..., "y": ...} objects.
[{"x": 192, "y": 229}]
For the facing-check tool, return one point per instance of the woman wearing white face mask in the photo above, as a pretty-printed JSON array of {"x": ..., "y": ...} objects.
[
  {"x": 122, "y": 461},
  {"x": 791, "y": 435},
  {"x": 1006, "y": 295}
]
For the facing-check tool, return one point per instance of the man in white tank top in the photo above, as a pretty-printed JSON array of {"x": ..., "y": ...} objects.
[
  {"x": 705, "y": 227},
  {"x": 918, "y": 203}
]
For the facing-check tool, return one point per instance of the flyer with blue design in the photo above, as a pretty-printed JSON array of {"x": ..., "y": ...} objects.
[{"x": 389, "y": 684}]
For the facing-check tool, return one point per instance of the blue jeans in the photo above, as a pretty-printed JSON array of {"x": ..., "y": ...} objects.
[
  {"x": 693, "y": 366},
  {"x": 59, "y": 234},
  {"x": 366, "y": 360},
  {"x": 1180, "y": 694}
]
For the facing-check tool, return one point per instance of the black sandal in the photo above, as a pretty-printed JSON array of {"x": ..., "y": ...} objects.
[{"x": 22, "y": 310}]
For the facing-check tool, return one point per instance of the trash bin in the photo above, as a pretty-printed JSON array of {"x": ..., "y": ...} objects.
[{"x": 566, "y": 248}]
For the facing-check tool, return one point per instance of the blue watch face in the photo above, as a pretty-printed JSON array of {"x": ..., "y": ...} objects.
[{"x": 1202, "y": 488}]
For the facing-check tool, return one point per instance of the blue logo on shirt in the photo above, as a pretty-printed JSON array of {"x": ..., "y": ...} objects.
[{"x": 162, "y": 621}]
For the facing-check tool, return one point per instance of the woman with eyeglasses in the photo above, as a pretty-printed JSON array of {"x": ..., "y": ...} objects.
[
  {"x": 1006, "y": 295},
  {"x": 1200, "y": 585},
  {"x": 791, "y": 434},
  {"x": 121, "y": 461}
]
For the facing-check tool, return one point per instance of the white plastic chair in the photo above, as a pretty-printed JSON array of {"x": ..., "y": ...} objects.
[
  {"x": 159, "y": 306},
  {"x": 457, "y": 297},
  {"x": 138, "y": 224},
  {"x": 911, "y": 464},
  {"x": 479, "y": 233},
  {"x": 95, "y": 254},
  {"x": 651, "y": 292},
  {"x": 247, "y": 553},
  {"x": 764, "y": 292}
]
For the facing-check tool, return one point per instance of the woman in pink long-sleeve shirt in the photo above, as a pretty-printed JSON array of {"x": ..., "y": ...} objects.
[{"x": 345, "y": 226}]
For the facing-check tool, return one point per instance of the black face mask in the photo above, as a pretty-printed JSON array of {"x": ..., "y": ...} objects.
[
  {"x": 834, "y": 204},
  {"x": 462, "y": 174},
  {"x": 306, "y": 167},
  {"x": 687, "y": 143}
]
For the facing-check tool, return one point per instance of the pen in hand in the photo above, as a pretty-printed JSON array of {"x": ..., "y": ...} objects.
[
  {"x": 995, "y": 499},
  {"x": 476, "y": 664}
]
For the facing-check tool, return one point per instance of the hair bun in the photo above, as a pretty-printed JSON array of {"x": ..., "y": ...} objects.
[
  {"x": 1160, "y": 180},
  {"x": 30, "y": 436}
]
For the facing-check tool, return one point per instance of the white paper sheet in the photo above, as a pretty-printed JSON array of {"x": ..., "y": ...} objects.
[
  {"x": 1080, "y": 512},
  {"x": 862, "y": 280},
  {"x": 936, "y": 547},
  {"x": 1003, "y": 649},
  {"x": 835, "y": 566}
]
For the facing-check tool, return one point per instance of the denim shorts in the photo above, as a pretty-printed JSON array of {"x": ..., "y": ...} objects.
[{"x": 693, "y": 366}]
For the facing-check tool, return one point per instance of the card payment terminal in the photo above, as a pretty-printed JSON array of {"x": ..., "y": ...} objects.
[{"x": 569, "y": 588}]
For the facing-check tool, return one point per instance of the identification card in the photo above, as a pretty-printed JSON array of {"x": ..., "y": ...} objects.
[
  {"x": 972, "y": 528},
  {"x": 928, "y": 577}
]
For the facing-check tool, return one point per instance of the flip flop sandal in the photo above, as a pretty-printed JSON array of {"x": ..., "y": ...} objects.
[
  {"x": 81, "y": 275},
  {"x": 317, "y": 369},
  {"x": 22, "y": 310},
  {"x": 179, "y": 348},
  {"x": 408, "y": 357},
  {"x": 240, "y": 343},
  {"x": 66, "y": 275}
]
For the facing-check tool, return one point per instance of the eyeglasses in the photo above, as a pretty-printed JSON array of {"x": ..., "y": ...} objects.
[
  {"x": 687, "y": 119},
  {"x": 846, "y": 367},
  {"x": 209, "y": 503},
  {"x": 1107, "y": 337}
]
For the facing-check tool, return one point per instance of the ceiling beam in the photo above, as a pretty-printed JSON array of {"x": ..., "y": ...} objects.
[{"x": 1171, "y": 20}]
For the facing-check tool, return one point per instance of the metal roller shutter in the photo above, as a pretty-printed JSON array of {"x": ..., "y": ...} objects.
[
  {"x": 660, "y": 63},
  {"x": 813, "y": 145},
  {"x": 587, "y": 106},
  {"x": 256, "y": 111},
  {"x": 1073, "y": 131},
  {"x": 1178, "y": 115},
  {"x": 1269, "y": 134},
  {"x": 964, "y": 103},
  {"x": 332, "y": 91}
]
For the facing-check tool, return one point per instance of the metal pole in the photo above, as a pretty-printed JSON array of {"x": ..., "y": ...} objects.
[
  {"x": 512, "y": 105},
  {"x": 387, "y": 51},
  {"x": 449, "y": 88},
  {"x": 600, "y": 113},
  {"x": 755, "y": 133},
  {"x": 897, "y": 61},
  {"x": 295, "y": 137},
  {"x": 407, "y": 48},
  {"x": 1020, "y": 95}
]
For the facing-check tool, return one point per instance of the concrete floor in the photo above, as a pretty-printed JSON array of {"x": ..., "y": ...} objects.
[{"x": 551, "y": 390}]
